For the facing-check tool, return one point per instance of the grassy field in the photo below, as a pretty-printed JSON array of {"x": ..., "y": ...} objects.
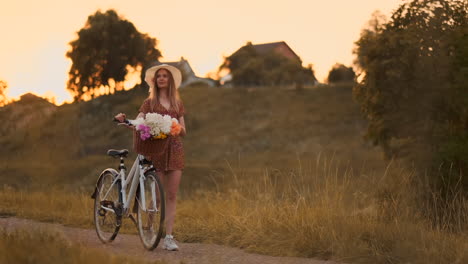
[
  {"x": 318, "y": 211},
  {"x": 270, "y": 170}
]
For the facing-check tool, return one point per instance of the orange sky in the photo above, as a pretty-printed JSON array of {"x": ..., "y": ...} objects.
[{"x": 35, "y": 34}]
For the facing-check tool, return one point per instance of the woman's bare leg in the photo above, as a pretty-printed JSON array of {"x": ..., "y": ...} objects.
[{"x": 171, "y": 181}]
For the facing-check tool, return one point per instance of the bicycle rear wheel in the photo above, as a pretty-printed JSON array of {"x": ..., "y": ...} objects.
[
  {"x": 107, "y": 208},
  {"x": 151, "y": 211}
]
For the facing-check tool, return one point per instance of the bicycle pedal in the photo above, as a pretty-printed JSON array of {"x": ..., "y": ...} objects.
[{"x": 108, "y": 204}]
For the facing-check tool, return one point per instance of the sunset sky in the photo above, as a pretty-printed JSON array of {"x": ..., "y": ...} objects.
[{"x": 35, "y": 34}]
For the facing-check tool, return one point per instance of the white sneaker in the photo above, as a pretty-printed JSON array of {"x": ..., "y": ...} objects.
[{"x": 169, "y": 243}]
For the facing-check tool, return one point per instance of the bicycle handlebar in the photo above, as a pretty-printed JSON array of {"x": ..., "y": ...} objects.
[{"x": 126, "y": 121}]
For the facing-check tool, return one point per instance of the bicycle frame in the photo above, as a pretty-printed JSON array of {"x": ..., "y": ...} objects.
[{"x": 136, "y": 176}]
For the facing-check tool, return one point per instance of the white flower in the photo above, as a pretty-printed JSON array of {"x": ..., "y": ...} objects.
[
  {"x": 138, "y": 121},
  {"x": 166, "y": 124},
  {"x": 153, "y": 117},
  {"x": 157, "y": 123},
  {"x": 154, "y": 130}
]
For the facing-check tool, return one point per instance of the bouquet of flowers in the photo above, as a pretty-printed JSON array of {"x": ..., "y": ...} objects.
[{"x": 156, "y": 126}]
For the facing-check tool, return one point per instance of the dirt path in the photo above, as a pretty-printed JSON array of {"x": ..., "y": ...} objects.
[{"x": 130, "y": 245}]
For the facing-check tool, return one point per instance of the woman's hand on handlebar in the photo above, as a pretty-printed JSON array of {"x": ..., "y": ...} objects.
[{"x": 120, "y": 117}]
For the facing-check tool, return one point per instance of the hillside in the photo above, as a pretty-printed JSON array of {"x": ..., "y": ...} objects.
[
  {"x": 29, "y": 111},
  {"x": 228, "y": 129}
]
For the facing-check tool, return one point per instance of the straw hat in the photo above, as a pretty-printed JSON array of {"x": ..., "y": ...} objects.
[{"x": 176, "y": 74}]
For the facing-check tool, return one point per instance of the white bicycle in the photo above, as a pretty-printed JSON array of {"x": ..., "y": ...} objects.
[{"x": 113, "y": 197}]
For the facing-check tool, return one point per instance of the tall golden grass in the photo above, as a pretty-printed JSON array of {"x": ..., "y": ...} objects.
[
  {"x": 52, "y": 205},
  {"x": 320, "y": 209},
  {"x": 49, "y": 246}
]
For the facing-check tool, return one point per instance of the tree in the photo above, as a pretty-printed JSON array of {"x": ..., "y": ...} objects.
[
  {"x": 106, "y": 46},
  {"x": 341, "y": 73},
  {"x": 249, "y": 68},
  {"x": 3, "y": 97},
  {"x": 414, "y": 88}
]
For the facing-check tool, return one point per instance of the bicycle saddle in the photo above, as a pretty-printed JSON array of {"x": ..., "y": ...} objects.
[{"x": 117, "y": 153}]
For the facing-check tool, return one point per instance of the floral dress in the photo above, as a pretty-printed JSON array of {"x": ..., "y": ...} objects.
[{"x": 166, "y": 154}]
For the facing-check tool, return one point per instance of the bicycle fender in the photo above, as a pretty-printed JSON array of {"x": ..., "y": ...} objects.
[{"x": 113, "y": 171}]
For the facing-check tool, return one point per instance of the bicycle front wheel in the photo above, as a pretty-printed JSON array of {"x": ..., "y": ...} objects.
[
  {"x": 107, "y": 208},
  {"x": 151, "y": 210}
]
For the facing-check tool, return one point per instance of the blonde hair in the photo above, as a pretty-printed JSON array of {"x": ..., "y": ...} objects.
[{"x": 173, "y": 93}]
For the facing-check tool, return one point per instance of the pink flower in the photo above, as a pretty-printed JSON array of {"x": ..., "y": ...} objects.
[{"x": 144, "y": 131}]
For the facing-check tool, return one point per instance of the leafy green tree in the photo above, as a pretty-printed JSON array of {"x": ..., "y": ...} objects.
[
  {"x": 249, "y": 68},
  {"x": 414, "y": 87},
  {"x": 3, "y": 97},
  {"x": 341, "y": 73},
  {"x": 105, "y": 46}
]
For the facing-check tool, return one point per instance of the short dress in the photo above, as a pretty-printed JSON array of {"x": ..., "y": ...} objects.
[{"x": 166, "y": 154}]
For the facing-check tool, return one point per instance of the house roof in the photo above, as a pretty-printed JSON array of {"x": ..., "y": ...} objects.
[{"x": 267, "y": 47}]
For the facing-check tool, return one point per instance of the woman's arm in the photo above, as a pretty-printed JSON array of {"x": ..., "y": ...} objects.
[{"x": 183, "y": 132}]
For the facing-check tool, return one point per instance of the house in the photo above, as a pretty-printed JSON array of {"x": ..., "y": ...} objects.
[
  {"x": 279, "y": 47},
  {"x": 188, "y": 76}
]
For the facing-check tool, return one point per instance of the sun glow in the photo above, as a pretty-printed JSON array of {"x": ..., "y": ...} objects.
[
  {"x": 133, "y": 77},
  {"x": 131, "y": 80}
]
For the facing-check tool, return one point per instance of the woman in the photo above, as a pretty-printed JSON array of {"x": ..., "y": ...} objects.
[{"x": 166, "y": 154}]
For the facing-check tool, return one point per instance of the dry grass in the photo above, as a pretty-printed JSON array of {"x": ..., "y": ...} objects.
[
  {"x": 317, "y": 210},
  {"x": 325, "y": 212},
  {"x": 51, "y": 206},
  {"x": 48, "y": 246},
  {"x": 55, "y": 206}
]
